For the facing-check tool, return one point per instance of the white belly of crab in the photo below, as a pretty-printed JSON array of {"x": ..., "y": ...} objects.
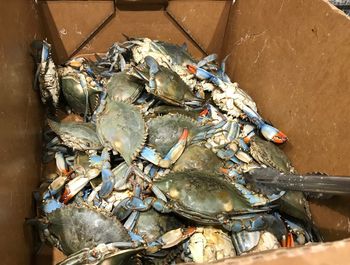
[
  {"x": 49, "y": 84},
  {"x": 267, "y": 241},
  {"x": 231, "y": 99},
  {"x": 210, "y": 244}
]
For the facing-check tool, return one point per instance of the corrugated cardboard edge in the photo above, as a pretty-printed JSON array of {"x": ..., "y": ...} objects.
[{"x": 316, "y": 254}]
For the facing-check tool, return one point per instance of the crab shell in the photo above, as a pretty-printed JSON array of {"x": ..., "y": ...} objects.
[
  {"x": 169, "y": 86},
  {"x": 124, "y": 87},
  {"x": 269, "y": 154},
  {"x": 151, "y": 224},
  {"x": 77, "y": 135},
  {"x": 74, "y": 93},
  {"x": 122, "y": 128},
  {"x": 178, "y": 54},
  {"x": 81, "y": 227},
  {"x": 165, "y": 131},
  {"x": 202, "y": 193},
  {"x": 198, "y": 157}
]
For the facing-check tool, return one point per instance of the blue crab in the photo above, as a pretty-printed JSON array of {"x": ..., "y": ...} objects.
[
  {"x": 80, "y": 90},
  {"x": 124, "y": 87},
  {"x": 77, "y": 135},
  {"x": 206, "y": 198},
  {"x": 46, "y": 74},
  {"x": 166, "y": 84}
]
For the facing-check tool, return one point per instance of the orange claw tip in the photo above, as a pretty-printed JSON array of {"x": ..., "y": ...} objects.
[
  {"x": 223, "y": 170},
  {"x": 204, "y": 113},
  {"x": 279, "y": 138},
  {"x": 66, "y": 196},
  {"x": 192, "y": 69},
  {"x": 290, "y": 240},
  {"x": 189, "y": 231},
  {"x": 247, "y": 139}
]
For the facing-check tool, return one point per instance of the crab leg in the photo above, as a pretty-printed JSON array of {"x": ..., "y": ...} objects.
[{"x": 171, "y": 157}]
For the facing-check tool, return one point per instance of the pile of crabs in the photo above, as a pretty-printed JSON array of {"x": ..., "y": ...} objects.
[{"x": 151, "y": 149}]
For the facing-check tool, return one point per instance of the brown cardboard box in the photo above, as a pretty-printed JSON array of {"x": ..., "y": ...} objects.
[{"x": 290, "y": 55}]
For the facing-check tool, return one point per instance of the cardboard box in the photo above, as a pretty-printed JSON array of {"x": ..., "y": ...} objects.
[{"x": 291, "y": 56}]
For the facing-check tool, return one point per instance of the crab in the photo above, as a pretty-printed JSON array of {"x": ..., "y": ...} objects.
[
  {"x": 124, "y": 87},
  {"x": 72, "y": 228},
  {"x": 164, "y": 52},
  {"x": 166, "y": 84},
  {"x": 205, "y": 198},
  {"x": 267, "y": 154},
  {"x": 172, "y": 56},
  {"x": 152, "y": 224},
  {"x": 46, "y": 74},
  {"x": 80, "y": 90},
  {"x": 121, "y": 128},
  {"x": 77, "y": 135},
  {"x": 208, "y": 244},
  {"x": 198, "y": 157}
]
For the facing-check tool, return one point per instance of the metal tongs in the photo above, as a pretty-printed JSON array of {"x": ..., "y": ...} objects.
[{"x": 312, "y": 183}]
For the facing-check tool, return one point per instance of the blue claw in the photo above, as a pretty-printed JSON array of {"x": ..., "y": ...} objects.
[
  {"x": 122, "y": 211},
  {"x": 236, "y": 160},
  {"x": 137, "y": 204},
  {"x": 161, "y": 206},
  {"x": 225, "y": 154},
  {"x": 150, "y": 155},
  {"x": 253, "y": 116},
  {"x": 273, "y": 134},
  {"x": 268, "y": 131},
  {"x": 171, "y": 157},
  {"x": 136, "y": 237},
  {"x": 202, "y": 74},
  {"x": 131, "y": 221},
  {"x": 243, "y": 145},
  {"x": 107, "y": 182}
]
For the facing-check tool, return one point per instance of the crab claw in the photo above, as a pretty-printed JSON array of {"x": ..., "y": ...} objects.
[
  {"x": 192, "y": 69},
  {"x": 174, "y": 237},
  {"x": 60, "y": 162},
  {"x": 200, "y": 73},
  {"x": 107, "y": 183},
  {"x": 171, "y": 157},
  {"x": 273, "y": 134},
  {"x": 73, "y": 187}
]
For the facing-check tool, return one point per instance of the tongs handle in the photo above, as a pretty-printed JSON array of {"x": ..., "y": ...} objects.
[{"x": 314, "y": 183}]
